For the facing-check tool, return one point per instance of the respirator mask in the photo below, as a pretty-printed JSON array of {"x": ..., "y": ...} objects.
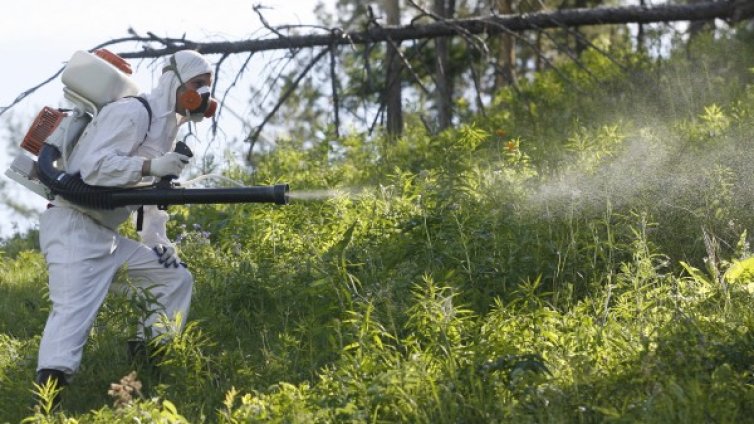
[{"x": 198, "y": 103}]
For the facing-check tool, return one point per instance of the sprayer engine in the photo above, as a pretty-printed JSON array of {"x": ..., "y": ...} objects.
[{"x": 58, "y": 127}]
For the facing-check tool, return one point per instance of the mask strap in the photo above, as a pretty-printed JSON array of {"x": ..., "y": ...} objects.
[{"x": 173, "y": 66}]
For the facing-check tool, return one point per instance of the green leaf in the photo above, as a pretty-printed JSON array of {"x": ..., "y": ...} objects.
[
  {"x": 608, "y": 411},
  {"x": 740, "y": 270},
  {"x": 351, "y": 346}
]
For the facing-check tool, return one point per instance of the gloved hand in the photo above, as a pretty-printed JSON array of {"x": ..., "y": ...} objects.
[
  {"x": 168, "y": 256},
  {"x": 170, "y": 163}
]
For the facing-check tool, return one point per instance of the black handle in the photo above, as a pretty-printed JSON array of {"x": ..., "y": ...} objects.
[{"x": 183, "y": 148}]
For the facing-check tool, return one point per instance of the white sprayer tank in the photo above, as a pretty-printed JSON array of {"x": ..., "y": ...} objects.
[{"x": 97, "y": 80}]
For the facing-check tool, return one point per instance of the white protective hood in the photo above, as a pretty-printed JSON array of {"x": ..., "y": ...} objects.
[{"x": 165, "y": 121}]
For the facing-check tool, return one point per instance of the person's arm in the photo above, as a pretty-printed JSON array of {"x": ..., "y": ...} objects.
[{"x": 105, "y": 152}]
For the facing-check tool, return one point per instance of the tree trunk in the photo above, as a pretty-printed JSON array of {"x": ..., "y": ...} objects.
[
  {"x": 507, "y": 54},
  {"x": 444, "y": 95},
  {"x": 538, "y": 44},
  {"x": 640, "y": 32},
  {"x": 393, "y": 101}
]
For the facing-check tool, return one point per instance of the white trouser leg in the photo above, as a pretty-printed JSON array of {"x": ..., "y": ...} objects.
[
  {"x": 76, "y": 291},
  {"x": 80, "y": 266}
]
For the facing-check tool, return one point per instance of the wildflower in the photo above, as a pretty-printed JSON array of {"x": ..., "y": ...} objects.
[
  {"x": 123, "y": 392},
  {"x": 500, "y": 133},
  {"x": 511, "y": 146}
]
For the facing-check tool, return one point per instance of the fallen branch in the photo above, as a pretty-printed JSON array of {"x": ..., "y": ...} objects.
[{"x": 727, "y": 10}]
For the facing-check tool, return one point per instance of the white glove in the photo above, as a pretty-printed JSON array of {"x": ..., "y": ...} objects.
[
  {"x": 168, "y": 256},
  {"x": 170, "y": 163}
]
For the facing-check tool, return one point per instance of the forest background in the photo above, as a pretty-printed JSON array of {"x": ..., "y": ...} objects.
[{"x": 566, "y": 240}]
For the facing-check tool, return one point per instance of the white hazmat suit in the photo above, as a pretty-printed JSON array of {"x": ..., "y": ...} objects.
[{"x": 82, "y": 246}]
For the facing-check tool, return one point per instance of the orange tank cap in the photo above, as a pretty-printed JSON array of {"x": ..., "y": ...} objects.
[{"x": 114, "y": 60}]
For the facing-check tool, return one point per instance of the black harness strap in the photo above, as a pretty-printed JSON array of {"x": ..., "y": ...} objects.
[
  {"x": 139, "y": 218},
  {"x": 140, "y": 211},
  {"x": 145, "y": 103}
]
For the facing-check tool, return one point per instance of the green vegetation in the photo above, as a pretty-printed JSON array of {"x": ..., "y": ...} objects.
[{"x": 576, "y": 255}]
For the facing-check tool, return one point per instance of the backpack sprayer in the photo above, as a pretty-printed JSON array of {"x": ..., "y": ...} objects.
[{"x": 90, "y": 82}]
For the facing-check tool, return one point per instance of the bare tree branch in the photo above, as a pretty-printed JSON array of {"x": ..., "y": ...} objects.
[
  {"x": 541, "y": 55},
  {"x": 254, "y": 135},
  {"x": 233, "y": 84},
  {"x": 477, "y": 89},
  {"x": 587, "y": 42},
  {"x": 459, "y": 30},
  {"x": 377, "y": 115},
  {"x": 154, "y": 46},
  {"x": 573, "y": 55},
  {"x": 271, "y": 82},
  {"x": 214, "y": 88},
  {"x": 480, "y": 25},
  {"x": 257, "y": 9}
]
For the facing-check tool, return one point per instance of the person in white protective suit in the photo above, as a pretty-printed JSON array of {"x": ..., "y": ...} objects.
[{"x": 82, "y": 246}]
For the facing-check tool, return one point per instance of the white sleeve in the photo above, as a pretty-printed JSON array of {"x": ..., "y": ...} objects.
[
  {"x": 154, "y": 227},
  {"x": 105, "y": 153}
]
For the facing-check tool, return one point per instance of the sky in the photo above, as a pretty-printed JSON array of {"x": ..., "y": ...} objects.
[{"x": 37, "y": 37}]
